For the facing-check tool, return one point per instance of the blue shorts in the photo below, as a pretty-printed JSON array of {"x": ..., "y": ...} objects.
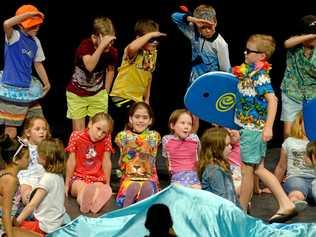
[
  {"x": 252, "y": 147},
  {"x": 307, "y": 186},
  {"x": 185, "y": 178},
  {"x": 289, "y": 108}
]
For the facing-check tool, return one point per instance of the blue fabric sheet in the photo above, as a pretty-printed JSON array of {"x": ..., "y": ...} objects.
[{"x": 194, "y": 213}]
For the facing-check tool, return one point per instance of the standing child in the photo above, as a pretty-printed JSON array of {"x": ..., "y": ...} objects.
[
  {"x": 255, "y": 113},
  {"x": 214, "y": 168},
  {"x": 95, "y": 60},
  {"x": 133, "y": 82},
  {"x": 16, "y": 158},
  {"x": 89, "y": 165},
  {"x": 138, "y": 147},
  {"x": 48, "y": 197},
  {"x": 181, "y": 148},
  {"x": 209, "y": 49},
  {"x": 300, "y": 181},
  {"x": 299, "y": 82},
  {"x": 22, "y": 50},
  {"x": 35, "y": 130}
]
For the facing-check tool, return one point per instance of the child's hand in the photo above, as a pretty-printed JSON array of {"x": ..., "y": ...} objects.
[
  {"x": 267, "y": 134},
  {"x": 156, "y": 34},
  {"x": 39, "y": 14},
  {"x": 66, "y": 189},
  {"x": 106, "y": 40},
  {"x": 200, "y": 22}
]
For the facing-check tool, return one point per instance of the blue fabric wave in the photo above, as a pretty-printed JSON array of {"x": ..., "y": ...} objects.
[{"x": 194, "y": 213}]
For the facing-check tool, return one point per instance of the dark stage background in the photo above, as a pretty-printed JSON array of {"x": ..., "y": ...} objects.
[{"x": 68, "y": 22}]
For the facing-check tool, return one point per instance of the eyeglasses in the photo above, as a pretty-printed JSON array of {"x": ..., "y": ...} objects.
[
  {"x": 22, "y": 144},
  {"x": 248, "y": 51}
]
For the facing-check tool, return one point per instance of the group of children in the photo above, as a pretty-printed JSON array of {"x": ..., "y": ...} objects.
[{"x": 212, "y": 164}]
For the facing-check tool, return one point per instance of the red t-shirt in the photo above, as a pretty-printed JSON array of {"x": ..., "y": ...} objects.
[
  {"x": 89, "y": 155},
  {"x": 83, "y": 82}
]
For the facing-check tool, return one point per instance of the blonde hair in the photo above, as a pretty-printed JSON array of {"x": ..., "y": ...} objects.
[
  {"x": 54, "y": 152},
  {"x": 29, "y": 123},
  {"x": 297, "y": 128},
  {"x": 103, "y": 117},
  {"x": 103, "y": 25},
  {"x": 175, "y": 116},
  {"x": 264, "y": 43},
  {"x": 144, "y": 26},
  {"x": 213, "y": 143},
  {"x": 206, "y": 12}
]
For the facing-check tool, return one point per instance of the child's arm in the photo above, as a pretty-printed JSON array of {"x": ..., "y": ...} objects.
[
  {"x": 9, "y": 23},
  {"x": 39, "y": 195},
  {"x": 147, "y": 91},
  {"x": 90, "y": 61},
  {"x": 9, "y": 190},
  {"x": 107, "y": 167},
  {"x": 70, "y": 168},
  {"x": 138, "y": 43},
  {"x": 40, "y": 69},
  {"x": 281, "y": 166},
  {"x": 299, "y": 39},
  {"x": 109, "y": 77},
  {"x": 267, "y": 132}
]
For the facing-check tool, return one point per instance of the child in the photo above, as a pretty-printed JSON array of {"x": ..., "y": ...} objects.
[
  {"x": 16, "y": 158},
  {"x": 299, "y": 82},
  {"x": 35, "y": 130},
  {"x": 22, "y": 50},
  {"x": 95, "y": 60},
  {"x": 214, "y": 168},
  {"x": 209, "y": 49},
  {"x": 255, "y": 112},
  {"x": 48, "y": 198},
  {"x": 89, "y": 165},
  {"x": 133, "y": 82},
  {"x": 181, "y": 149},
  {"x": 234, "y": 158},
  {"x": 300, "y": 177},
  {"x": 138, "y": 149}
]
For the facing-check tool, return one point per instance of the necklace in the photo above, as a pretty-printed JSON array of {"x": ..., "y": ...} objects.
[{"x": 249, "y": 70}]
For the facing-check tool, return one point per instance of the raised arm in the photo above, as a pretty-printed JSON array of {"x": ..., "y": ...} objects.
[
  {"x": 299, "y": 39},
  {"x": 139, "y": 42},
  {"x": 9, "y": 23},
  {"x": 90, "y": 61}
]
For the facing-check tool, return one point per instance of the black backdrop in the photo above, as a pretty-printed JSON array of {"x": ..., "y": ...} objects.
[{"x": 67, "y": 22}]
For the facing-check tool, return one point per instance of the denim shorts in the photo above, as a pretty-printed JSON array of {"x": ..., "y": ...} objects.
[
  {"x": 252, "y": 147},
  {"x": 289, "y": 108},
  {"x": 307, "y": 186}
]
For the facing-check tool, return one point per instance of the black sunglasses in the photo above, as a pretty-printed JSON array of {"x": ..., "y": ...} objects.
[
  {"x": 248, "y": 51},
  {"x": 22, "y": 144}
]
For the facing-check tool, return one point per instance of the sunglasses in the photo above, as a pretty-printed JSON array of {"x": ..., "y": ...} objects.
[
  {"x": 22, "y": 145},
  {"x": 248, "y": 51}
]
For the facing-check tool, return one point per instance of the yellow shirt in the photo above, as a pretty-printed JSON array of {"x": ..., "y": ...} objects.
[{"x": 134, "y": 75}]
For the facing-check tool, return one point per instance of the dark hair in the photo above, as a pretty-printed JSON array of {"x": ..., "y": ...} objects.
[
  {"x": 158, "y": 219},
  {"x": 135, "y": 107},
  {"x": 308, "y": 24}
]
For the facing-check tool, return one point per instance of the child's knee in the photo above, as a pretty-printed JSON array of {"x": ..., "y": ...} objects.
[{"x": 296, "y": 195}]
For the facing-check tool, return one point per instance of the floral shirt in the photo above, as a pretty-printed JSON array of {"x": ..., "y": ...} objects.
[
  {"x": 254, "y": 83},
  {"x": 299, "y": 80},
  {"x": 138, "y": 154}
]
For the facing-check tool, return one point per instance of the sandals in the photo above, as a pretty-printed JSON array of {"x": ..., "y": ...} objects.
[{"x": 282, "y": 217}]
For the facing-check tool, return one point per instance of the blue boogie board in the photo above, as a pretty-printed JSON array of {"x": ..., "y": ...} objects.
[
  {"x": 212, "y": 98},
  {"x": 309, "y": 114}
]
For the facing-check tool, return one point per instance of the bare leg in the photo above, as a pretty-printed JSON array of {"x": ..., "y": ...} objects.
[
  {"x": 246, "y": 187},
  {"x": 285, "y": 205},
  {"x": 146, "y": 190},
  {"x": 78, "y": 124}
]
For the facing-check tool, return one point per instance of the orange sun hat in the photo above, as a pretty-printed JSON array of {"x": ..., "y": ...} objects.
[{"x": 32, "y": 21}]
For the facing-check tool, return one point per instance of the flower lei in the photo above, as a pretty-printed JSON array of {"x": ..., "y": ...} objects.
[{"x": 249, "y": 70}]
